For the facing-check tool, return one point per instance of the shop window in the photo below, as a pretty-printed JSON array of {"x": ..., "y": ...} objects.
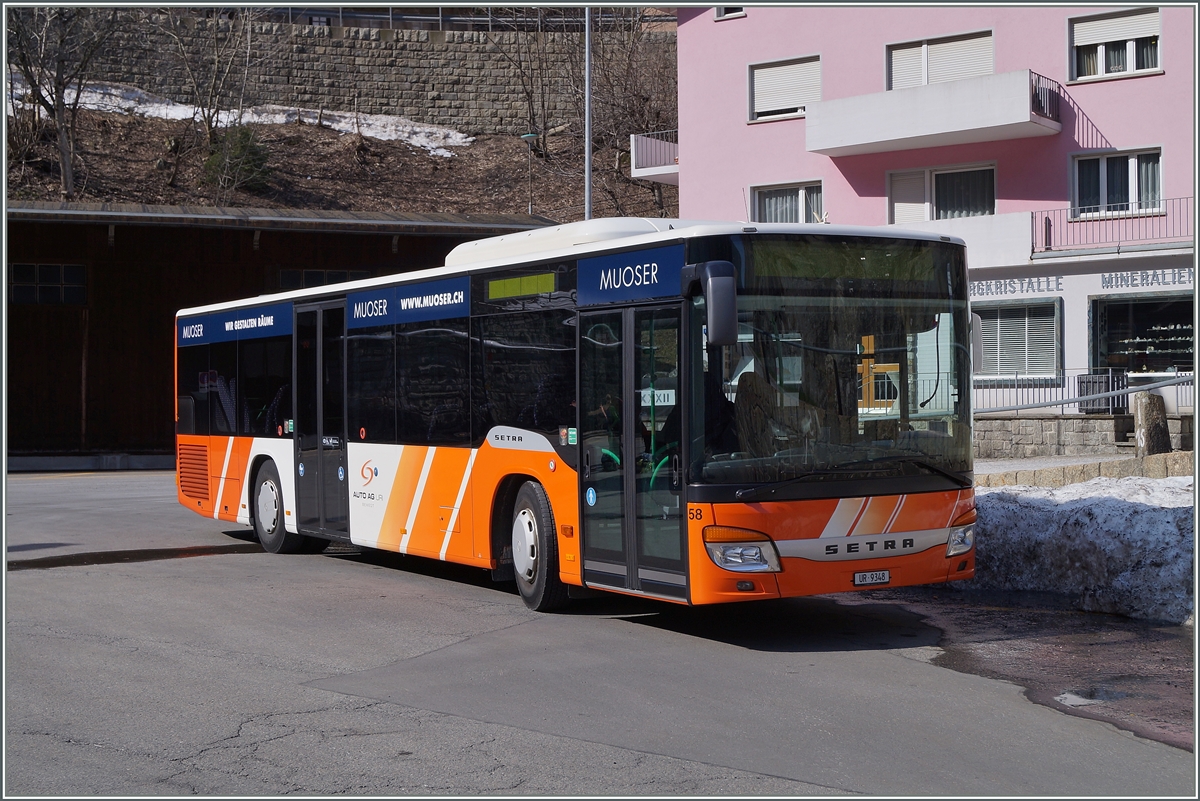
[
  {"x": 1019, "y": 340},
  {"x": 47, "y": 284},
  {"x": 1115, "y": 45},
  {"x": 789, "y": 204},
  {"x": 1122, "y": 183},
  {"x": 1154, "y": 335}
]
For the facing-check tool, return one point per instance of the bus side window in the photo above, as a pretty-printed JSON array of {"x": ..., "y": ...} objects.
[
  {"x": 433, "y": 383},
  {"x": 192, "y": 390},
  {"x": 526, "y": 375},
  {"x": 264, "y": 386},
  {"x": 371, "y": 384}
]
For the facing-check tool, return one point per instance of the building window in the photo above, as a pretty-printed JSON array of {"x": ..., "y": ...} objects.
[
  {"x": 726, "y": 12},
  {"x": 784, "y": 88},
  {"x": 303, "y": 279},
  {"x": 1114, "y": 44},
  {"x": 942, "y": 194},
  {"x": 1127, "y": 182},
  {"x": 939, "y": 60},
  {"x": 47, "y": 284},
  {"x": 1019, "y": 340},
  {"x": 789, "y": 204}
]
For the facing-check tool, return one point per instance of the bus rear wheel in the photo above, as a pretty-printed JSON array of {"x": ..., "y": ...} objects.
[
  {"x": 535, "y": 550},
  {"x": 268, "y": 514}
]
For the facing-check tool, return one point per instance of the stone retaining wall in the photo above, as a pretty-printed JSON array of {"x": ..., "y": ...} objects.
[
  {"x": 1029, "y": 436},
  {"x": 1163, "y": 465},
  {"x": 475, "y": 82}
]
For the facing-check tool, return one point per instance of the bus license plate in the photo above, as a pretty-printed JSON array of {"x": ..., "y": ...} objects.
[{"x": 872, "y": 577}]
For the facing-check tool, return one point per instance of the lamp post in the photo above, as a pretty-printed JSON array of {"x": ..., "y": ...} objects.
[{"x": 528, "y": 139}]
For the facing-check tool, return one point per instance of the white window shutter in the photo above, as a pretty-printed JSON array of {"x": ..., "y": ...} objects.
[
  {"x": 908, "y": 197},
  {"x": 1041, "y": 339},
  {"x": 1115, "y": 28},
  {"x": 778, "y": 87},
  {"x": 906, "y": 66},
  {"x": 961, "y": 57},
  {"x": 990, "y": 333},
  {"x": 1012, "y": 340}
]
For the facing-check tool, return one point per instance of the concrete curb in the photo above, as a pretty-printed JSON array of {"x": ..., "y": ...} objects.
[
  {"x": 1163, "y": 465},
  {"x": 90, "y": 463}
]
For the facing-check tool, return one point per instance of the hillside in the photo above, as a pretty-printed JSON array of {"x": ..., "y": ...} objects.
[{"x": 128, "y": 158}]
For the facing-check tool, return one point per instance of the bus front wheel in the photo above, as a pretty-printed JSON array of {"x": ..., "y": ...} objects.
[
  {"x": 268, "y": 514},
  {"x": 535, "y": 550}
]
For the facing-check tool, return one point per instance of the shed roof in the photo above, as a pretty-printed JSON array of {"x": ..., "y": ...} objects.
[{"x": 317, "y": 220}]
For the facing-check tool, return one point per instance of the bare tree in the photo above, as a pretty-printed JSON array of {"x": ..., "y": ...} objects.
[
  {"x": 634, "y": 90},
  {"x": 528, "y": 42},
  {"x": 217, "y": 56},
  {"x": 53, "y": 49}
]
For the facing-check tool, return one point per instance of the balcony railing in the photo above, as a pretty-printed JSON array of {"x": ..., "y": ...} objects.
[
  {"x": 1116, "y": 226},
  {"x": 1088, "y": 391},
  {"x": 655, "y": 156},
  {"x": 658, "y": 149},
  {"x": 1044, "y": 93}
]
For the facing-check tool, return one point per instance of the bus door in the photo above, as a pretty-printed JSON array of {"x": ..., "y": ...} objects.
[
  {"x": 321, "y": 494},
  {"x": 631, "y": 480}
]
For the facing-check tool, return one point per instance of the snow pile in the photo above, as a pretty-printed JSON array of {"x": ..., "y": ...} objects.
[
  {"x": 1122, "y": 546},
  {"x": 128, "y": 100}
]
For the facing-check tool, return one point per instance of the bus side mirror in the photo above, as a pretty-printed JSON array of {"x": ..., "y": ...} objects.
[
  {"x": 976, "y": 342},
  {"x": 718, "y": 282}
]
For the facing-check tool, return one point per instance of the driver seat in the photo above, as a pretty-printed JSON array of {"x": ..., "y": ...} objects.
[{"x": 754, "y": 409}]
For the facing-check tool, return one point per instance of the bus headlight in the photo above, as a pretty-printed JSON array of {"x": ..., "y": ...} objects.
[
  {"x": 962, "y": 539},
  {"x": 741, "y": 550}
]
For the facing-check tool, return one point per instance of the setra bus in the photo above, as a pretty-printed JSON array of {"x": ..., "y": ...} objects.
[{"x": 695, "y": 412}]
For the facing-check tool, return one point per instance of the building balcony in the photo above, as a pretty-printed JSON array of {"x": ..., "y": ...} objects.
[
  {"x": 1006, "y": 240},
  {"x": 1117, "y": 228},
  {"x": 1010, "y": 105},
  {"x": 655, "y": 156}
]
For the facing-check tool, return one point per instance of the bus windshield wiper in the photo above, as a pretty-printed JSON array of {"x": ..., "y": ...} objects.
[{"x": 752, "y": 493}]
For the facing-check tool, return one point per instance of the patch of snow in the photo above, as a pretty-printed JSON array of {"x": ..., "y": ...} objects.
[
  {"x": 1122, "y": 546},
  {"x": 128, "y": 100}
]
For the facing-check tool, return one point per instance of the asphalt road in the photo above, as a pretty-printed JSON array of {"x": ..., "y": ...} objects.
[{"x": 236, "y": 672}]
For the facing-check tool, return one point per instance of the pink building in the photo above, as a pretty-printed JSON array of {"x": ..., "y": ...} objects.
[{"x": 1058, "y": 142}]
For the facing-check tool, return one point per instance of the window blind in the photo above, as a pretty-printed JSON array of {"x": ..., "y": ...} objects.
[
  {"x": 908, "y": 197},
  {"x": 1019, "y": 340},
  {"x": 960, "y": 57},
  {"x": 1096, "y": 30},
  {"x": 786, "y": 88},
  {"x": 906, "y": 66}
]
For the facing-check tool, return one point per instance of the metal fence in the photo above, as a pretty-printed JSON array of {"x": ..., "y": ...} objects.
[
  {"x": 1044, "y": 93},
  {"x": 657, "y": 149},
  {"x": 1115, "y": 225},
  {"x": 465, "y": 18},
  {"x": 1093, "y": 391}
]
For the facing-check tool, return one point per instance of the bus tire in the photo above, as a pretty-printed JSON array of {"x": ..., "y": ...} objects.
[
  {"x": 268, "y": 513},
  {"x": 535, "y": 550}
]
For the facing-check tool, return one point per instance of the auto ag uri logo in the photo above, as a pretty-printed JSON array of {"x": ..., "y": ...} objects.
[{"x": 368, "y": 473}]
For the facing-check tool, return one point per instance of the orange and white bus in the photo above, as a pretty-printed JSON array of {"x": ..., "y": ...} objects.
[{"x": 694, "y": 412}]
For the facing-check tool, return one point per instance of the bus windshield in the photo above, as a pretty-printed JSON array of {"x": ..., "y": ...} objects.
[{"x": 852, "y": 362}]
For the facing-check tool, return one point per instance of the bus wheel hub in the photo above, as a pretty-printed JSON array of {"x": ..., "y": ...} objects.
[
  {"x": 524, "y": 544},
  {"x": 268, "y": 507}
]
